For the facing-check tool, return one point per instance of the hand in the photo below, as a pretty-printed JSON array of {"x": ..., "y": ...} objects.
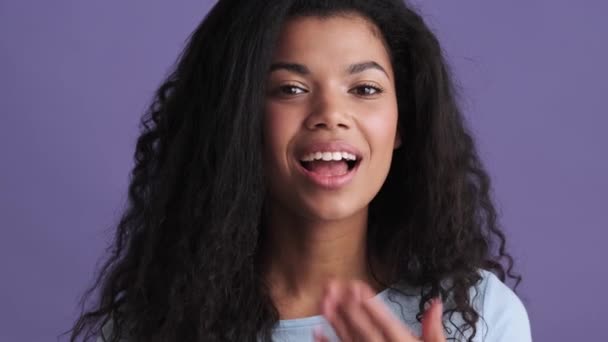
[{"x": 356, "y": 316}]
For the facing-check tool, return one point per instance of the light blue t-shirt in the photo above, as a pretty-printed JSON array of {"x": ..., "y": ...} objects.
[{"x": 503, "y": 317}]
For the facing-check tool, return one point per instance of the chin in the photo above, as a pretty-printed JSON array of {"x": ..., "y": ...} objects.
[{"x": 332, "y": 211}]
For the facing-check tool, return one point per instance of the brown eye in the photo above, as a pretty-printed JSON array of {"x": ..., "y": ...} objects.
[
  {"x": 368, "y": 90},
  {"x": 290, "y": 90}
]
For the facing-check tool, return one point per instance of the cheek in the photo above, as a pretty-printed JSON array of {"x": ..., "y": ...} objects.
[
  {"x": 280, "y": 126},
  {"x": 381, "y": 130}
]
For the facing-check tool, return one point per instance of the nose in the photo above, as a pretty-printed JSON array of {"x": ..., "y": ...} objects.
[{"x": 329, "y": 112}]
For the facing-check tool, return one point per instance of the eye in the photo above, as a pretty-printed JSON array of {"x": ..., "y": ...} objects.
[
  {"x": 291, "y": 89},
  {"x": 368, "y": 90}
]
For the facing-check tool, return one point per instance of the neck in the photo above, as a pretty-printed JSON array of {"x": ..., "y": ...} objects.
[{"x": 300, "y": 256}]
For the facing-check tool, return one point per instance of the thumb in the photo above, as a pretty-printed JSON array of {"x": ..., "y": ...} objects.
[{"x": 432, "y": 325}]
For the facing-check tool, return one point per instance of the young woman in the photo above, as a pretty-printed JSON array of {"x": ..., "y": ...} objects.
[{"x": 305, "y": 172}]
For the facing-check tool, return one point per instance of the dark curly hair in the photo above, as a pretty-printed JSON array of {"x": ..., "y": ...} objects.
[{"x": 183, "y": 265}]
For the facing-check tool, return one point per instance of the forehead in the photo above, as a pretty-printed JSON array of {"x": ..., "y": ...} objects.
[{"x": 333, "y": 40}]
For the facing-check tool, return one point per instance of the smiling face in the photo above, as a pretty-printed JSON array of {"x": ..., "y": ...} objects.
[{"x": 330, "y": 122}]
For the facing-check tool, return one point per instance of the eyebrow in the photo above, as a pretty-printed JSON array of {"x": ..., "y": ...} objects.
[{"x": 351, "y": 69}]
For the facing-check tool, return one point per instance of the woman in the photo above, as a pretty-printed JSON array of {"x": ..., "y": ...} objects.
[{"x": 306, "y": 169}]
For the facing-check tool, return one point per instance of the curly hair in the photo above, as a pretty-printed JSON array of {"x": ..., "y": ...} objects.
[{"x": 183, "y": 263}]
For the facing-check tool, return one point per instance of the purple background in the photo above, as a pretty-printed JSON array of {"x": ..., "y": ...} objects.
[{"x": 75, "y": 77}]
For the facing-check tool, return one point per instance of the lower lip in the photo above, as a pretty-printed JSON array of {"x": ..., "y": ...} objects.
[{"x": 329, "y": 182}]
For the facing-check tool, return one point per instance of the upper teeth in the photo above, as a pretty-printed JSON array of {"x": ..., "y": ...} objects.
[{"x": 327, "y": 156}]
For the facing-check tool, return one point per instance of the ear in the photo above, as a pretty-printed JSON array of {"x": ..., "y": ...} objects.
[{"x": 397, "y": 139}]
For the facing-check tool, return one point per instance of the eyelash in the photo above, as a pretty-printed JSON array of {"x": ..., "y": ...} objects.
[{"x": 377, "y": 89}]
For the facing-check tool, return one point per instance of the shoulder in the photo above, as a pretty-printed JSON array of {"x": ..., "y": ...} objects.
[{"x": 503, "y": 315}]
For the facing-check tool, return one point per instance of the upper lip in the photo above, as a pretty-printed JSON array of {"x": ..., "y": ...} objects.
[{"x": 328, "y": 146}]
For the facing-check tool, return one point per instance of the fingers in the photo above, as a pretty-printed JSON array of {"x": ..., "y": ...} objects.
[
  {"x": 432, "y": 327},
  {"x": 334, "y": 296},
  {"x": 357, "y": 320},
  {"x": 393, "y": 329},
  {"x": 357, "y": 316}
]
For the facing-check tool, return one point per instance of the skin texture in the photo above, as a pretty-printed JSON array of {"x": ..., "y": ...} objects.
[
  {"x": 317, "y": 234},
  {"x": 356, "y": 316},
  {"x": 329, "y": 104}
]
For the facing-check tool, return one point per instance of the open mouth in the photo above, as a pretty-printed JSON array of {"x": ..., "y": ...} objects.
[
  {"x": 330, "y": 164},
  {"x": 330, "y": 168}
]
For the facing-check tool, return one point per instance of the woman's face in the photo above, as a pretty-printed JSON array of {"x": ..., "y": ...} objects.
[{"x": 330, "y": 99}]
